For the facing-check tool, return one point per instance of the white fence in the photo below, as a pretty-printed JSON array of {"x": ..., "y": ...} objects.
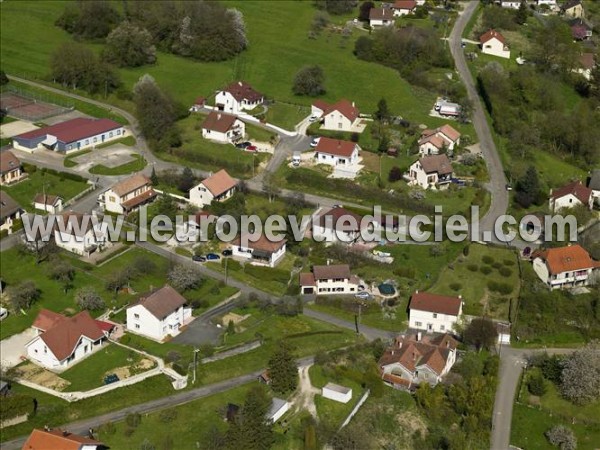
[{"x": 362, "y": 400}]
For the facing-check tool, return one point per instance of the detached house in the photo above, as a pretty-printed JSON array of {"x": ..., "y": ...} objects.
[
  {"x": 565, "y": 266},
  {"x": 404, "y": 7},
  {"x": 493, "y": 43},
  {"x": 223, "y": 127},
  {"x": 337, "y": 225},
  {"x": 586, "y": 65},
  {"x": 62, "y": 341},
  {"x": 336, "y": 152},
  {"x": 10, "y": 168},
  {"x": 581, "y": 30},
  {"x": 81, "y": 234},
  {"x": 434, "y": 313},
  {"x": 510, "y": 4},
  {"x": 49, "y": 203},
  {"x": 594, "y": 185},
  {"x": 70, "y": 136},
  {"x": 431, "y": 172},
  {"x": 237, "y": 97},
  {"x": 416, "y": 359},
  {"x": 128, "y": 195},
  {"x": 329, "y": 279},
  {"x": 571, "y": 195},
  {"x": 9, "y": 211},
  {"x": 159, "y": 314},
  {"x": 436, "y": 141},
  {"x": 60, "y": 440},
  {"x": 218, "y": 187},
  {"x": 573, "y": 8},
  {"x": 381, "y": 17},
  {"x": 341, "y": 116},
  {"x": 262, "y": 252}
]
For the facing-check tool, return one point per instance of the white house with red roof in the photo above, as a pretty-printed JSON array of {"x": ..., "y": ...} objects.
[
  {"x": 239, "y": 96},
  {"x": 430, "y": 172},
  {"x": 571, "y": 195},
  {"x": 70, "y": 136},
  {"x": 260, "y": 251},
  {"x": 330, "y": 279},
  {"x": 62, "y": 341},
  {"x": 565, "y": 267},
  {"x": 60, "y": 439},
  {"x": 335, "y": 152},
  {"x": 341, "y": 116},
  {"x": 221, "y": 127},
  {"x": 433, "y": 312},
  {"x": 404, "y": 7},
  {"x": 218, "y": 187},
  {"x": 433, "y": 142},
  {"x": 128, "y": 195},
  {"x": 381, "y": 17},
  {"x": 416, "y": 359},
  {"x": 493, "y": 43}
]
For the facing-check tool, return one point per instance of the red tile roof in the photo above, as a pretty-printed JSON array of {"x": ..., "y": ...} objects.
[
  {"x": 434, "y": 140},
  {"x": 491, "y": 34},
  {"x": 46, "y": 199},
  {"x": 140, "y": 199},
  {"x": 8, "y": 161},
  {"x": 405, "y": 4},
  {"x": 262, "y": 244},
  {"x": 338, "y": 215},
  {"x": 587, "y": 60},
  {"x": 307, "y": 279},
  {"x": 219, "y": 122},
  {"x": 243, "y": 91},
  {"x": 131, "y": 184},
  {"x": 57, "y": 440},
  {"x": 8, "y": 206},
  {"x": 449, "y": 132},
  {"x": 577, "y": 189},
  {"x": 74, "y": 129},
  {"x": 62, "y": 337},
  {"x": 346, "y": 108},
  {"x": 200, "y": 101},
  {"x": 46, "y": 319},
  {"x": 567, "y": 259},
  {"x": 425, "y": 301},
  {"x": 335, "y": 147},
  {"x": 219, "y": 183},
  {"x": 105, "y": 326}
]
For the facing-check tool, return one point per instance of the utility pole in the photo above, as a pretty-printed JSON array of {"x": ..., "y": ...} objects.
[
  {"x": 196, "y": 350},
  {"x": 226, "y": 271}
]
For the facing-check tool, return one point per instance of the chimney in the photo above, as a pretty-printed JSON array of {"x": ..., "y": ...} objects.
[
  {"x": 419, "y": 336},
  {"x": 460, "y": 296},
  {"x": 240, "y": 83},
  {"x": 219, "y": 116},
  {"x": 353, "y": 104},
  {"x": 392, "y": 352},
  {"x": 328, "y": 261},
  {"x": 65, "y": 433},
  {"x": 414, "y": 356}
]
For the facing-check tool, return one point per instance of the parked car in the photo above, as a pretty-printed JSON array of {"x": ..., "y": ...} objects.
[
  {"x": 315, "y": 142},
  {"x": 227, "y": 252},
  {"x": 3, "y": 313},
  {"x": 313, "y": 118},
  {"x": 212, "y": 257},
  {"x": 508, "y": 187},
  {"x": 364, "y": 295},
  {"x": 244, "y": 144},
  {"x": 198, "y": 258},
  {"x": 251, "y": 148}
]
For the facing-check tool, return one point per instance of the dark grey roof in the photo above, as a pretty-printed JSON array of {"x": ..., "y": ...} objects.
[
  {"x": 8, "y": 206},
  {"x": 594, "y": 182}
]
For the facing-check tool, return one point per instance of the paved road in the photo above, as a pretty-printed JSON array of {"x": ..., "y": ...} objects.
[
  {"x": 82, "y": 426},
  {"x": 512, "y": 362},
  {"x": 368, "y": 332},
  {"x": 497, "y": 184}
]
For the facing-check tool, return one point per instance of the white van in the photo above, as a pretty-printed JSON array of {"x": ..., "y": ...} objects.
[{"x": 296, "y": 159}]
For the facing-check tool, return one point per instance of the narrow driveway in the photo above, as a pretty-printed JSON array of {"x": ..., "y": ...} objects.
[{"x": 368, "y": 332}]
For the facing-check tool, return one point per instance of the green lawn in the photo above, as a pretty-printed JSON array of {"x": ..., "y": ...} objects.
[
  {"x": 259, "y": 134},
  {"x": 90, "y": 373},
  {"x": 286, "y": 115},
  {"x": 136, "y": 165},
  {"x": 40, "y": 180},
  {"x": 466, "y": 275},
  {"x": 128, "y": 141}
]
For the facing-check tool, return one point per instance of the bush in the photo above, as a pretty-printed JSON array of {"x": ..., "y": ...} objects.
[
  {"x": 466, "y": 250},
  {"x": 455, "y": 286},
  {"x": 486, "y": 270},
  {"x": 562, "y": 437},
  {"x": 505, "y": 272},
  {"x": 405, "y": 272},
  {"x": 501, "y": 288},
  {"x": 487, "y": 259},
  {"x": 497, "y": 265},
  {"x": 179, "y": 369},
  {"x": 536, "y": 385},
  {"x": 107, "y": 428},
  {"x": 128, "y": 431},
  {"x": 172, "y": 356},
  {"x": 167, "y": 415},
  {"x": 473, "y": 267},
  {"x": 508, "y": 262},
  {"x": 15, "y": 405}
]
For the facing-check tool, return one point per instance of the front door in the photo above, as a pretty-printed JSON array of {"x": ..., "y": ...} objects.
[{"x": 429, "y": 327}]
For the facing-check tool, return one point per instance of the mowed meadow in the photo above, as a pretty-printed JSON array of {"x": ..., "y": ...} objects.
[{"x": 279, "y": 47}]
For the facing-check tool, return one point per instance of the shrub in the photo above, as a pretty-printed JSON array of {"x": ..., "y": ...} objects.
[
  {"x": 455, "y": 286},
  {"x": 15, "y": 405},
  {"x": 486, "y": 270},
  {"x": 107, "y": 428},
  {"x": 501, "y": 288},
  {"x": 473, "y": 267},
  {"x": 508, "y": 262},
  {"x": 167, "y": 415},
  {"x": 505, "y": 272},
  {"x": 133, "y": 419},
  {"x": 172, "y": 356},
  {"x": 179, "y": 369},
  {"x": 466, "y": 250},
  {"x": 487, "y": 259},
  {"x": 128, "y": 431},
  {"x": 497, "y": 265},
  {"x": 405, "y": 272},
  {"x": 536, "y": 385},
  {"x": 562, "y": 437}
]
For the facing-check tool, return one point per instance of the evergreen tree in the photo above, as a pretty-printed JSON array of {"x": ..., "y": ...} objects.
[
  {"x": 283, "y": 369},
  {"x": 522, "y": 13},
  {"x": 528, "y": 188},
  {"x": 383, "y": 113},
  {"x": 384, "y": 143},
  {"x": 153, "y": 177},
  {"x": 252, "y": 430}
]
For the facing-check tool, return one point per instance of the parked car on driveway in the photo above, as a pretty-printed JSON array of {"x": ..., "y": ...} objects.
[
  {"x": 251, "y": 148},
  {"x": 313, "y": 118},
  {"x": 315, "y": 142},
  {"x": 3, "y": 313},
  {"x": 364, "y": 295},
  {"x": 227, "y": 252},
  {"x": 198, "y": 258},
  {"x": 212, "y": 257},
  {"x": 243, "y": 144}
]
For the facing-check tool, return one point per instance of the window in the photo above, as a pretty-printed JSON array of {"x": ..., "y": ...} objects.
[
  {"x": 418, "y": 324},
  {"x": 45, "y": 349},
  {"x": 435, "y": 315},
  {"x": 442, "y": 327},
  {"x": 137, "y": 316},
  {"x": 118, "y": 132},
  {"x": 95, "y": 140},
  {"x": 85, "y": 349},
  {"x": 87, "y": 142},
  {"x": 137, "y": 326}
]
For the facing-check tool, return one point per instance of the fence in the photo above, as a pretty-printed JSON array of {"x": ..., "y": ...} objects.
[
  {"x": 30, "y": 106},
  {"x": 362, "y": 400}
]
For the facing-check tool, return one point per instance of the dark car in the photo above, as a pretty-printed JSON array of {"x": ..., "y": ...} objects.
[
  {"x": 212, "y": 256},
  {"x": 243, "y": 144},
  {"x": 198, "y": 258},
  {"x": 227, "y": 252}
]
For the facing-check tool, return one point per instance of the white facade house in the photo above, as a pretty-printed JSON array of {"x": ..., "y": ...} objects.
[
  {"x": 404, "y": 7},
  {"x": 434, "y": 313},
  {"x": 571, "y": 195},
  {"x": 565, "y": 267},
  {"x": 62, "y": 341},
  {"x": 342, "y": 116},
  {"x": 160, "y": 314},
  {"x": 239, "y": 96},
  {"x": 57, "y": 439},
  {"x": 594, "y": 185},
  {"x": 10, "y": 211},
  {"x": 49, "y": 203},
  {"x": 549, "y": 3},
  {"x": 510, "y": 4},
  {"x": 329, "y": 280},
  {"x": 433, "y": 142},
  {"x": 128, "y": 195},
  {"x": 11, "y": 169},
  {"x": 262, "y": 252},
  {"x": 337, "y": 225},
  {"x": 224, "y": 128},
  {"x": 335, "y": 152},
  {"x": 493, "y": 43},
  {"x": 336, "y": 392},
  {"x": 381, "y": 17},
  {"x": 431, "y": 172},
  {"x": 278, "y": 408},
  {"x": 81, "y": 234},
  {"x": 218, "y": 187},
  {"x": 416, "y": 359}
]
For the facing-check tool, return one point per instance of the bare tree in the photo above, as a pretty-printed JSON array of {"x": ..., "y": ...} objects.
[
  {"x": 88, "y": 298},
  {"x": 183, "y": 278},
  {"x": 23, "y": 295}
]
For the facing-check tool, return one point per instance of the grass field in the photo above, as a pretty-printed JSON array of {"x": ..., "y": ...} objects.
[
  {"x": 466, "y": 276},
  {"x": 90, "y": 373},
  {"x": 133, "y": 166},
  {"x": 25, "y": 191},
  {"x": 279, "y": 47}
]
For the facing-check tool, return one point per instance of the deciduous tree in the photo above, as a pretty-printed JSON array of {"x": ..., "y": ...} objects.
[
  {"x": 580, "y": 379},
  {"x": 481, "y": 333},
  {"x": 88, "y": 298},
  {"x": 129, "y": 46},
  {"x": 23, "y": 295},
  {"x": 309, "y": 80},
  {"x": 561, "y": 437},
  {"x": 183, "y": 278}
]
